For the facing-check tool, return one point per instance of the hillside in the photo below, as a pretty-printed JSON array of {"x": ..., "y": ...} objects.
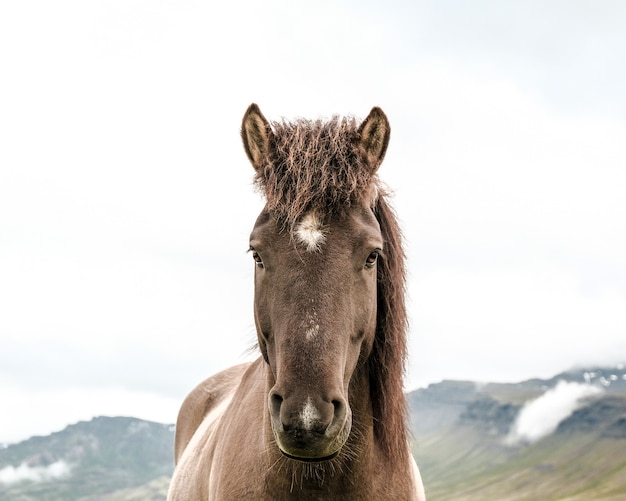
[
  {"x": 558, "y": 439},
  {"x": 467, "y": 449},
  {"x": 90, "y": 461}
]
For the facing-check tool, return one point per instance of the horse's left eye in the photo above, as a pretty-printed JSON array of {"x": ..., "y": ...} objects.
[{"x": 371, "y": 259}]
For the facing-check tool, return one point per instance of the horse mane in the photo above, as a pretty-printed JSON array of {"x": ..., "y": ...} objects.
[
  {"x": 388, "y": 357},
  {"x": 315, "y": 165}
]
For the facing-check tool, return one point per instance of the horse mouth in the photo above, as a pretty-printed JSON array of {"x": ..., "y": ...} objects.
[
  {"x": 309, "y": 459},
  {"x": 316, "y": 449}
]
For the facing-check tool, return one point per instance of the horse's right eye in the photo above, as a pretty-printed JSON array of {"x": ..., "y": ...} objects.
[{"x": 257, "y": 259}]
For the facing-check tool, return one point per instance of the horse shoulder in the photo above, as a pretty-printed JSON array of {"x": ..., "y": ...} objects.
[
  {"x": 200, "y": 401},
  {"x": 417, "y": 480}
]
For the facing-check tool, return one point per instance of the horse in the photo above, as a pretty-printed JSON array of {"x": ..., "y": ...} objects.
[{"x": 321, "y": 413}]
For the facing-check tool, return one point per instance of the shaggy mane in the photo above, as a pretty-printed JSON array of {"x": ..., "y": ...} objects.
[
  {"x": 313, "y": 165},
  {"x": 388, "y": 358}
]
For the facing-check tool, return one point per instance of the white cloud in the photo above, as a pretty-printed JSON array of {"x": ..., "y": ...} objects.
[
  {"x": 540, "y": 417},
  {"x": 24, "y": 472}
]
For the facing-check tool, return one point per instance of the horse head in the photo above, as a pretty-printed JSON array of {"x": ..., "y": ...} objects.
[{"x": 316, "y": 247}]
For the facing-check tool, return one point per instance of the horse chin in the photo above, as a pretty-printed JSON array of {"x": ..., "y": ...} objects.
[
  {"x": 313, "y": 454},
  {"x": 308, "y": 459}
]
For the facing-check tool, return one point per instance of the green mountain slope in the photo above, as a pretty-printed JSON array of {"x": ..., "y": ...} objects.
[
  {"x": 468, "y": 455},
  {"x": 463, "y": 464},
  {"x": 88, "y": 460}
]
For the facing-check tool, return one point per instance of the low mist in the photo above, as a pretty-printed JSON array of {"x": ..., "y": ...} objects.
[
  {"x": 24, "y": 472},
  {"x": 540, "y": 417}
]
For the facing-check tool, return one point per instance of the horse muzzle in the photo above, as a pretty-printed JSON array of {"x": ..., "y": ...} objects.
[{"x": 315, "y": 432}]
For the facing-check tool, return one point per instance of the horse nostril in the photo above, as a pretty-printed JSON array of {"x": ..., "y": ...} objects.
[
  {"x": 275, "y": 402},
  {"x": 340, "y": 410}
]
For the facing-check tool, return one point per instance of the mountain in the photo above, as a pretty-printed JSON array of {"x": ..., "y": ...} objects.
[
  {"x": 558, "y": 439},
  {"x": 562, "y": 438},
  {"x": 112, "y": 458}
]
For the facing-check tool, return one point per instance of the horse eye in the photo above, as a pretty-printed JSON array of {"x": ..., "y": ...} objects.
[
  {"x": 257, "y": 259},
  {"x": 371, "y": 259}
]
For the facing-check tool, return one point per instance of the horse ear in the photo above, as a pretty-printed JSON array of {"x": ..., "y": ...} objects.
[
  {"x": 374, "y": 137},
  {"x": 255, "y": 134}
]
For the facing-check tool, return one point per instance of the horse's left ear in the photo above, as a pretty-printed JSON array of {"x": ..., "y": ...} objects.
[
  {"x": 255, "y": 134},
  {"x": 374, "y": 137}
]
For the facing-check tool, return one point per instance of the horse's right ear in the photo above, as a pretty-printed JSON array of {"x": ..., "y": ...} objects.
[
  {"x": 374, "y": 137},
  {"x": 255, "y": 134}
]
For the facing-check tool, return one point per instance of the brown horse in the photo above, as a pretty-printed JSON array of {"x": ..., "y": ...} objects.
[{"x": 321, "y": 414}]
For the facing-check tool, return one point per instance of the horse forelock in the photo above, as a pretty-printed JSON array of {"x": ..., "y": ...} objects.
[{"x": 314, "y": 166}]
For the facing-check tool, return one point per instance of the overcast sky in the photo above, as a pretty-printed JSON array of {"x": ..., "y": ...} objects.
[{"x": 126, "y": 198}]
